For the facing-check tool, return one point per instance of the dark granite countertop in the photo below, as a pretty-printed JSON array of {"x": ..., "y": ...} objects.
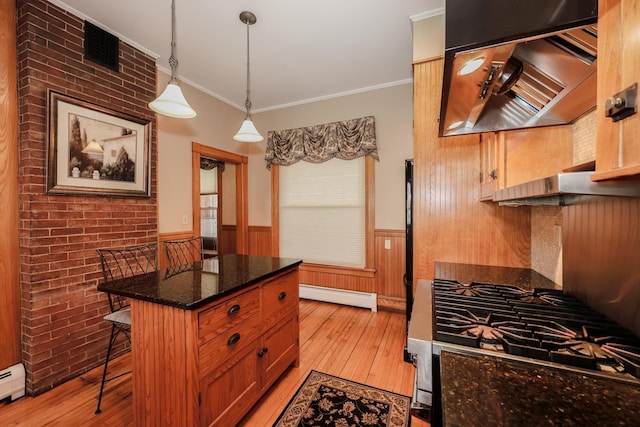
[
  {"x": 466, "y": 273},
  {"x": 190, "y": 287},
  {"x": 486, "y": 391}
]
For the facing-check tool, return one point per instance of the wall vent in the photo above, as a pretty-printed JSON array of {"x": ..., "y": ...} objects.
[{"x": 101, "y": 47}]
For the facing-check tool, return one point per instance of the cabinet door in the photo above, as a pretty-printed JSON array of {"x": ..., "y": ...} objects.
[
  {"x": 228, "y": 392},
  {"x": 488, "y": 165},
  {"x": 618, "y": 144},
  {"x": 280, "y": 348}
]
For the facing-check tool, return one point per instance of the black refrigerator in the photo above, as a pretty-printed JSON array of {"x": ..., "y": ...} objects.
[{"x": 408, "y": 275}]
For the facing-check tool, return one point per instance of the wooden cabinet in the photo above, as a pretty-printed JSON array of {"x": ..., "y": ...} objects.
[
  {"x": 509, "y": 158},
  {"x": 488, "y": 165},
  {"x": 618, "y": 143},
  {"x": 280, "y": 342},
  {"x": 208, "y": 367},
  {"x": 246, "y": 359}
]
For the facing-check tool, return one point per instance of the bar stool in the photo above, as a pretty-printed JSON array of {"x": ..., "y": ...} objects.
[{"x": 120, "y": 263}]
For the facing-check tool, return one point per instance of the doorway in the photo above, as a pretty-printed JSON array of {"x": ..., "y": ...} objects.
[{"x": 214, "y": 203}]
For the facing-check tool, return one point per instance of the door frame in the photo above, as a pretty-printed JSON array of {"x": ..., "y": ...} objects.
[{"x": 242, "y": 190}]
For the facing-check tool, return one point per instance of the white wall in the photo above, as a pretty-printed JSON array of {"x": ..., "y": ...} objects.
[
  {"x": 428, "y": 37},
  {"x": 217, "y": 122},
  {"x": 214, "y": 125}
]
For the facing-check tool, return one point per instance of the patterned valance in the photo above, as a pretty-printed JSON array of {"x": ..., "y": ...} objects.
[
  {"x": 345, "y": 140},
  {"x": 208, "y": 164}
]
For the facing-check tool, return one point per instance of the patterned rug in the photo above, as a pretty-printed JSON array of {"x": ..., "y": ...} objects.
[{"x": 325, "y": 400}]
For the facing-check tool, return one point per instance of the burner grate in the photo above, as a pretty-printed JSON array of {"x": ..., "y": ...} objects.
[{"x": 541, "y": 324}]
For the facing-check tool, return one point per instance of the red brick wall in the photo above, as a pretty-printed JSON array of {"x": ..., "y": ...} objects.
[{"x": 63, "y": 333}]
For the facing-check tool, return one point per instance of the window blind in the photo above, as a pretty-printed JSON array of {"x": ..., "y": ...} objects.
[{"x": 322, "y": 212}]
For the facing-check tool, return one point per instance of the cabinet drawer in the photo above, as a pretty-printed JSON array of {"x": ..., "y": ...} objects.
[
  {"x": 279, "y": 296},
  {"x": 217, "y": 319},
  {"x": 215, "y": 351}
]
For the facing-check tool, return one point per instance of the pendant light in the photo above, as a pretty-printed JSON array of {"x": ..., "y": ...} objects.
[
  {"x": 248, "y": 132},
  {"x": 171, "y": 102}
]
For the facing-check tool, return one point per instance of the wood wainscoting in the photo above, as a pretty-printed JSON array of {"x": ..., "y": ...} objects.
[
  {"x": 450, "y": 222},
  {"x": 227, "y": 240},
  {"x": 260, "y": 240},
  {"x": 331, "y": 276},
  {"x": 390, "y": 255}
]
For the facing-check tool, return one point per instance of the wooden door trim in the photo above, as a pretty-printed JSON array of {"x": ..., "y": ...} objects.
[{"x": 242, "y": 190}]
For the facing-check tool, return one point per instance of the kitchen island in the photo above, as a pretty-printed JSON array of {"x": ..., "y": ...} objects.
[{"x": 209, "y": 339}]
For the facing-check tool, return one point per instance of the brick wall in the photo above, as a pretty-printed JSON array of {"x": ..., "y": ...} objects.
[{"x": 63, "y": 333}]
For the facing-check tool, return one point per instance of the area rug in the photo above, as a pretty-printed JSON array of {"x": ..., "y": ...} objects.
[{"x": 325, "y": 400}]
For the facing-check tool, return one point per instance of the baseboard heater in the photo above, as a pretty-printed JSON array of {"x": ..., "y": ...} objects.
[
  {"x": 340, "y": 296},
  {"x": 12, "y": 382}
]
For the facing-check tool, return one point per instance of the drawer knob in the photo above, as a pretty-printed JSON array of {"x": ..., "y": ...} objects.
[
  {"x": 262, "y": 352},
  {"x": 233, "y": 339},
  {"x": 233, "y": 309},
  {"x": 282, "y": 295}
]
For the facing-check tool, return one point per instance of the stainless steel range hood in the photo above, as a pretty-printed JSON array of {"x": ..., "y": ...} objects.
[
  {"x": 564, "y": 189},
  {"x": 535, "y": 64}
]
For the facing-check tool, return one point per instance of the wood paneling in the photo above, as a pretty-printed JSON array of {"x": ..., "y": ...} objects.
[
  {"x": 227, "y": 240},
  {"x": 350, "y": 342},
  {"x": 450, "y": 222},
  {"x": 390, "y": 263},
  {"x": 536, "y": 153},
  {"x": 601, "y": 238},
  {"x": 260, "y": 240},
  {"x": 9, "y": 252},
  {"x": 329, "y": 276},
  {"x": 163, "y": 341}
]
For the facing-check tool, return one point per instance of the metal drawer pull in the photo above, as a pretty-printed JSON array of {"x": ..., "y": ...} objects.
[
  {"x": 282, "y": 295},
  {"x": 233, "y": 309},
  {"x": 233, "y": 339},
  {"x": 262, "y": 352}
]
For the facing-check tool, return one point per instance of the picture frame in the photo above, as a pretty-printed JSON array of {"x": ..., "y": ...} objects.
[{"x": 95, "y": 151}]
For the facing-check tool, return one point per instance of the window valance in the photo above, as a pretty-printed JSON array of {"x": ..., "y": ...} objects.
[
  {"x": 209, "y": 164},
  {"x": 344, "y": 140}
]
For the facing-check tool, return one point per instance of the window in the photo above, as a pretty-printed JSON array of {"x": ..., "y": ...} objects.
[{"x": 322, "y": 212}]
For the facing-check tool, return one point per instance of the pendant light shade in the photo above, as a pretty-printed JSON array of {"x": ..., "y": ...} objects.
[
  {"x": 248, "y": 131},
  {"x": 171, "y": 101}
]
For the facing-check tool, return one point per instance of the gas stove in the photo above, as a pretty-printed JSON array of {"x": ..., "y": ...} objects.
[{"x": 541, "y": 326}]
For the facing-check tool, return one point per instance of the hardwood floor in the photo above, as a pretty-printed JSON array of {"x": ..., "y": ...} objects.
[{"x": 349, "y": 342}]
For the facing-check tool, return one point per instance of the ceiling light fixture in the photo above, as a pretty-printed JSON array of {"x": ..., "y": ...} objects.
[
  {"x": 248, "y": 132},
  {"x": 172, "y": 102}
]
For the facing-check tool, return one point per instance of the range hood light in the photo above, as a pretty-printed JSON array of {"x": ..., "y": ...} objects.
[
  {"x": 455, "y": 124},
  {"x": 471, "y": 66}
]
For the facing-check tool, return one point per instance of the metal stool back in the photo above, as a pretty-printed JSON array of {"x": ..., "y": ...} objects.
[{"x": 184, "y": 252}]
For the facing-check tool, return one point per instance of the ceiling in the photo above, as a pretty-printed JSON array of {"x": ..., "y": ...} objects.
[{"x": 301, "y": 50}]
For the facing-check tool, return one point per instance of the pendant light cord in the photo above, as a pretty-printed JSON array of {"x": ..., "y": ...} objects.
[
  {"x": 173, "y": 62},
  {"x": 247, "y": 103}
]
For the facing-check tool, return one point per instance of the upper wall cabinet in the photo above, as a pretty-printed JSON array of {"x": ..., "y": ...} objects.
[
  {"x": 514, "y": 157},
  {"x": 618, "y": 142}
]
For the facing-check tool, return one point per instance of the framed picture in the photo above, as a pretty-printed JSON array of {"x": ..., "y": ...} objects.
[{"x": 95, "y": 151}]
